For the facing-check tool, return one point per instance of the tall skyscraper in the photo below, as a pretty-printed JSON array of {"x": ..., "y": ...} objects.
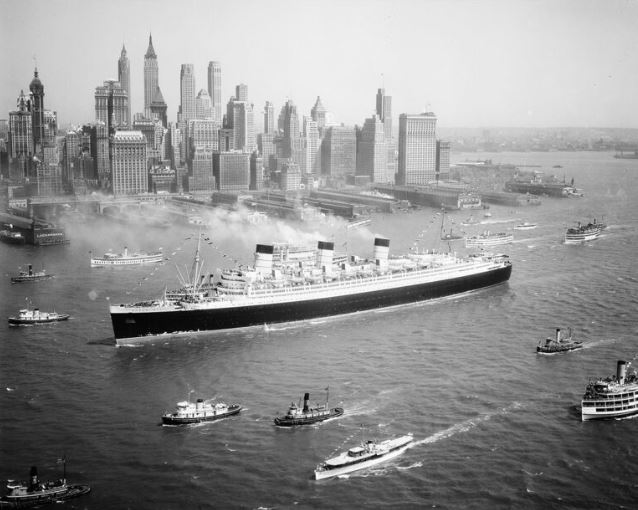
[
  {"x": 442, "y": 160},
  {"x": 269, "y": 118},
  {"x": 318, "y": 114},
  {"x": 372, "y": 151},
  {"x": 215, "y": 88},
  {"x": 292, "y": 142},
  {"x": 241, "y": 92},
  {"x": 37, "y": 111},
  {"x": 311, "y": 147},
  {"x": 151, "y": 76},
  {"x": 203, "y": 106},
  {"x": 187, "y": 110},
  {"x": 130, "y": 174},
  {"x": 111, "y": 105},
  {"x": 384, "y": 111},
  {"x": 124, "y": 77},
  {"x": 339, "y": 152},
  {"x": 417, "y": 149},
  {"x": 21, "y": 130}
]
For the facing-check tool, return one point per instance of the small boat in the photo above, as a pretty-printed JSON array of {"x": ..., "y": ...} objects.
[
  {"x": 30, "y": 276},
  {"x": 615, "y": 396},
  {"x": 306, "y": 415},
  {"x": 368, "y": 454},
  {"x": 525, "y": 226},
  {"x": 11, "y": 237},
  {"x": 201, "y": 410},
  {"x": 488, "y": 238},
  {"x": 448, "y": 236},
  {"x": 470, "y": 221},
  {"x": 27, "y": 316},
  {"x": 558, "y": 344},
  {"x": 584, "y": 233},
  {"x": 126, "y": 258},
  {"x": 487, "y": 214},
  {"x": 26, "y": 494}
]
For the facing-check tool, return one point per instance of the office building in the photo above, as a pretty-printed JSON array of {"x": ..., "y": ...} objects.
[
  {"x": 201, "y": 177},
  {"x": 124, "y": 77},
  {"x": 203, "y": 106},
  {"x": 269, "y": 118},
  {"x": 151, "y": 76},
  {"x": 37, "y": 112},
  {"x": 111, "y": 105},
  {"x": 256, "y": 172},
  {"x": 231, "y": 170},
  {"x": 311, "y": 141},
  {"x": 338, "y": 152},
  {"x": 318, "y": 114},
  {"x": 417, "y": 149},
  {"x": 21, "y": 130},
  {"x": 372, "y": 152},
  {"x": 442, "y": 160},
  {"x": 292, "y": 143},
  {"x": 128, "y": 160},
  {"x": 158, "y": 107},
  {"x": 187, "y": 95},
  {"x": 384, "y": 112},
  {"x": 241, "y": 92},
  {"x": 215, "y": 89}
]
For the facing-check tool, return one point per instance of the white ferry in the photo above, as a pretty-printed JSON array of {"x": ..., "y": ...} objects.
[
  {"x": 126, "y": 258},
  {"x": 611, "y": 397},
  {"x": 188, "y": 412},
  {"x": 369, "y": 454},
  {"x": 488, "y": 238},
  {"x": 584, "y": 233}
]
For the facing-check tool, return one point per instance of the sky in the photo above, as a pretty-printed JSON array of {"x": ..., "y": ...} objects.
[{"x": 489, "y": 63}]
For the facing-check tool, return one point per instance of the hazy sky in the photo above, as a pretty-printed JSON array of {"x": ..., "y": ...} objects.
[{"x": 527, "y": 63}]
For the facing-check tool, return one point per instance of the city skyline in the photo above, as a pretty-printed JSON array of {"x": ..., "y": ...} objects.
[{"x": 495, "y": 63}]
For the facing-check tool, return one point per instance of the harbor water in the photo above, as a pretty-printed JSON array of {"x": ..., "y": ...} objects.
[{"x": 495, "y": 424}]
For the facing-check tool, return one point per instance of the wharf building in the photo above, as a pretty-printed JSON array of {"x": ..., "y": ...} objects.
[
  {"x": 124, "y": 77},
  {"x": 128, "y": 160},
  {"x": 215, "y": 89},
  {"x": 338, "y": 153},
  {"x": 151, "y": 76},
  {"x": 417, "y": 149}
]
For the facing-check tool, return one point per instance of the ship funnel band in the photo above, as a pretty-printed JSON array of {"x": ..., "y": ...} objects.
[
  {"x": 326, "y": 245},
  {"x": 265, "y": 248},
  {"x": 380, "y": 241},
  {"x": 621, "y": 371}
]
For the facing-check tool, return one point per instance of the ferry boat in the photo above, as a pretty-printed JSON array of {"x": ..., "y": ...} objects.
[
  {"x": 368, "y": 454},
  {"x": 611, "y": 397},
  {"x": 11, "y": 237},
  {"x": 31, "y": 276},
  {"x": 126, "y": 258},
  {"x": 27, "y": 494},
  {"x": 27, "y": 316},
  {"x": 297, "y": 287},
  {"x": 553, "y": 345},
  {"x": 188, "y": 412},
  {"x": 525, "y": 226},
  {"x": 306, "y": 415},
  {"x": 488, "y": 238},
  {"x": 584, "y": 233}
]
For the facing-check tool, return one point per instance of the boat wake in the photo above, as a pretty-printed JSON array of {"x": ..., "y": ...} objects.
[
  {"x": 411, "y": 466},
  {"x": 465, "y": 426}
]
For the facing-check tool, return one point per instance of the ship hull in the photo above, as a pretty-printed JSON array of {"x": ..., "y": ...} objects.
[
  {"x": 169, "y": 419},
  {"x": 357, "y": 466},
  {"x": 135, "y": 325},
  {"x": 590, "y": 413},
  {"x": 284, "y": 421}
]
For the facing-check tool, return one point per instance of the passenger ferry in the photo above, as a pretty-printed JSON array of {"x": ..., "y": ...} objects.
[
  {"x": 188, "y": 412},
  {"x": 611, "y": 397},
  {"x": 584, "y": 233},
  {"x": 126, "y": 258},
  {"x": 488, "y": 238},
  {"x": 368, "y": 454}
]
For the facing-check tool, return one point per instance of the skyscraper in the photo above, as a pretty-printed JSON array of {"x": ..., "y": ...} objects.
[
  {"x": 311, "y": 147},
  {"x": 111, "y": 105},
  {"x": 187, "y": 110},
  {"x": 37, "y": 111},
  {"x": 241, "y": 92},
  {"x": 215, "y": 88},
  {"x": 318, "y": 114},
  {"x": 21, "y": 130},
  {"x": 372, "y": 154},
  {"x": 130, "y": 175},
  {"x": 158, "y": 107},
  {"x": 339, "y": 152},
  {"x": 151, "y": 76},
  {"x": 124, "y": 77},
  {"x": 203, "y": 106},
  {"x": 292, "y": 143},
  {"x": 384, "y": 111},
  {"x": 269, "y": 118},
  {"x": 417, "y": 149}
]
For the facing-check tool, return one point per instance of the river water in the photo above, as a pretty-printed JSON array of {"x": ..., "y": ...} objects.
[{"x": 495, "y": 424}]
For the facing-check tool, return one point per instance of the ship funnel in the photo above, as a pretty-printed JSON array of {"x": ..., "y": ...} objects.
[
  {"x": 33, "y": 475},
  {"x": 306, "y": 397},
  {"x": 325, "y": 251},
  {"x": 263, "y": 258},
  {"x": 558, "y": 334},
  {"x": 621, "y": 371},
  {"x": 381, "y": 250},
  {"x": 30, "y": 269},
  {"x": 125, "y": 251}
]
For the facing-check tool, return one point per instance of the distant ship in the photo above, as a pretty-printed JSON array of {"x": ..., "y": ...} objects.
[
  {"x": 188, "y": 412},
  {"x": 300, "y": 287},
  {"x": 584, "y": 233},
  {"x": 28, "y": 316},
  {"x": 30, "y": 276},
  {"x": 307, "y": 415},
  {"x": 488, "y": 239},
  {"x": 525, "y": 226},
  {"x": 553, "y": 345},
  {"x": 369, "y": 454},
  {"x": 11, "y": 237},
  {"x": 126, "y": 258},
  {"x": 612, "y": 397}
]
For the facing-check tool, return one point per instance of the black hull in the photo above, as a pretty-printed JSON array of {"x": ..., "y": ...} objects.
[
  {"x": 23, "y": 322},
  {"x": 542, "y": 350},
  {"x": 73, "y": 492},
  {"x": 23, "y": 279},
  {"x": 284, "y": 421},
  {"x": 140, "y": 324},
  {"x": 172, "y": 420}
]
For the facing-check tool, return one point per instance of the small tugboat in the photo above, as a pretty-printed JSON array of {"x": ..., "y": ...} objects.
[
  {"x": 525, "y": 226},
  {"x": 612, "y": 397},
  {"x": 188, "y": 412},
  {"x": 370, "y": 453},
  {"x": 11, "y": 237},
  {"x": 306, "y": 415},
  {"x": 27, "y": 316},
  {"x": 30, "y": 276},
  {"x": 558, "y": 344},
  {"x": 126, "y": 258},
  {"x": 35, "y": 493}
]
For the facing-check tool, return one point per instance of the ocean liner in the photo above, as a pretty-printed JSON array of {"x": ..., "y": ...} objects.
[{"x": 304, "y": 288}]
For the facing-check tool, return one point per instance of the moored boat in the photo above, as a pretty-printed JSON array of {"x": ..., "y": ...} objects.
[
  {"x": 488, "y": 238},
  {"x": 28, "y": 316},
  {"x": 201, "y": 410},
  {"x": 611, "y": 397},
  {"x": 30, "y": 276},
  {"x": 553, "y": 345},
  {"x": 368, "y": 454},
  {"x": 584, "y": 233},
  {"x": 307, "y": 415},
  {"x": 126, "y": 258},
  {"x": 27, "y": 494}
]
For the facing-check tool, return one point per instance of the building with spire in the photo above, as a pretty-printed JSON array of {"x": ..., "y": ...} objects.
[
  {"x": 384, "y": 112},
  {"x": 151, "y": 76},
  {"x": 215, "y": 89},
  {"x": 124, "y": 77},
  {"x": 158, "y": 107},
  {"x": 37, "y": 112},
  {"x": 318, "y": 114}
]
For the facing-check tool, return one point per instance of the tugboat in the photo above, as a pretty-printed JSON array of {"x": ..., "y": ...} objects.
[
  {"x": 370, "y": 453},
  {"x": 307, "y": 415},
  {"x": 30, "y": 276},
  {"x": 35, "y": 493},
  {"x": 188, "y": 412},
  {"x": 612, "y": 397},
  {"x": 553, "y": 345},
  {"x": 35, "y": 316}
]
